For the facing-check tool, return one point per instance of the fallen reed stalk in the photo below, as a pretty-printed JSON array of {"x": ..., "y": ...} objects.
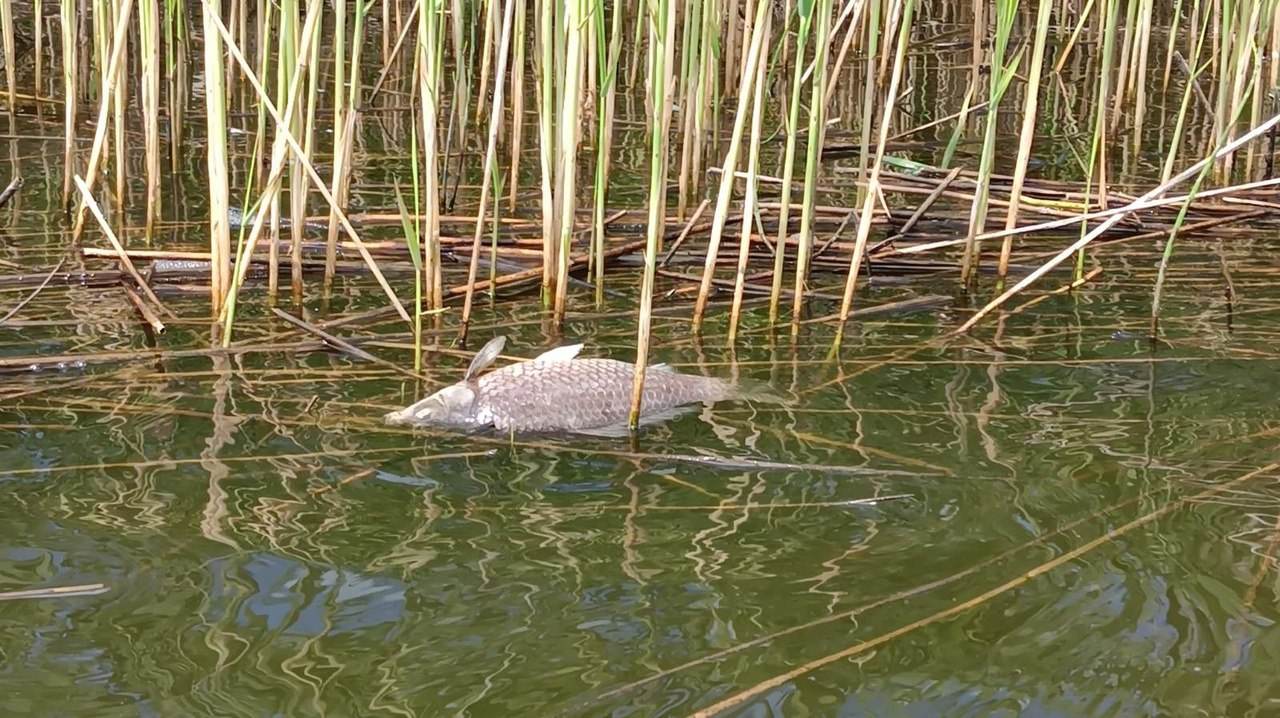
[
  {"x": 127, "y": 263},
  {"x": 10, "y": 190},
  {"x": 1160, "y": 189}
]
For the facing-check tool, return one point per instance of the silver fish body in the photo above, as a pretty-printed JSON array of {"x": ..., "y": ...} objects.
[{"x": 558, "y": 392}]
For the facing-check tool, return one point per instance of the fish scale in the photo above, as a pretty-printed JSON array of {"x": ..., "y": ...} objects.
[{"x": 583, "y": 394}]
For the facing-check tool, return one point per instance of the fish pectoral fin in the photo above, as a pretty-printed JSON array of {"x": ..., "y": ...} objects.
[
  {"x": 486, "y": 356},
  {"x": 564, "y": 353}
]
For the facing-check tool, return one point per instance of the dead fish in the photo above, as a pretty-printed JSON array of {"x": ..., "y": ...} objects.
[{"x": 557, "y": 391}]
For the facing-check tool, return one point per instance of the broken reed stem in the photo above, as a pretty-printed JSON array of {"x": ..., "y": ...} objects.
[{"x": 92, "y": 207}]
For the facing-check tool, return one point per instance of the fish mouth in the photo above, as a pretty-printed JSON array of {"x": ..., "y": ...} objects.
[{"x": 399, "y": 417}]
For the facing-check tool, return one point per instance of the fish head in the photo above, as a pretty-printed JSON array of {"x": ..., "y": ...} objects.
[{"x": 454, "y": 406}]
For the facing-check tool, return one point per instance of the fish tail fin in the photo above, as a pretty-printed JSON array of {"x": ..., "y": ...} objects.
[{"x": 757, "y": 391}]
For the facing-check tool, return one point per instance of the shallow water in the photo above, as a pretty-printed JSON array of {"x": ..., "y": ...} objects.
[{"x": 1051, "y": 517}]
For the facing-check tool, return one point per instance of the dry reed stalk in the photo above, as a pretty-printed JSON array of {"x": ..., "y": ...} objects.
[
  {"x": 291, "y": 142},
  {"x": 755, "y": 57},
  {"x": 570, "y": 127},
  {"x": 546, "y": 145},
  {"x": 148, "y": 316},
  {"x": 149, "y": 47},
  {"x": 662, "y": 40},
  {"x": 1027, "y": 133},
  {"x": 753, "y": 164},
  {"x": 70, "y": 66},
  {"x": 517, "y": 105},
  {"x": 428, "y": 87},
  {"x": 10, "y": 55},
  {"x": 109, "y": 77},
  {"x": 490, "y": 162},
  {"x": 119, "y": 102},
  {"x": 868, "y": 202}
]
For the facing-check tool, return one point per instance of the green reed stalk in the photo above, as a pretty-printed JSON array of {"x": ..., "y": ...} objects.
[
  {"x": 463, "y": 63},
  {"x": 729, "y": 171},
  {"x": 805, "y": 12},
  {"x": 704, "y": 96},
  {"x": 517, "y": 104},
  {"x": 1002, "y": 74},
  {"x": 604, "y": 138},
  {"x": 813, "y": 154},
  {"x": 567, "y": 146},
  {"x": 490, "y": 164},
  {"x": 216, "y": 146},
  {"x": 149, "y": 46},
  {"x": 1180, "y": 124},
  {"x": 176, "y": 52},
  {"x": 410, "y": 224},
  {"x": 1027, "y": 133},
  {"x": 690, "y": 74},
  {"x": 865, "y": 215},
  {"x": 10, "y": 53},
  {"x": 430, "y": 42},
  {"x": 753, "y": 165},
  {"x": 662, "y": 40},
  {"x": 70, "y": 66}
]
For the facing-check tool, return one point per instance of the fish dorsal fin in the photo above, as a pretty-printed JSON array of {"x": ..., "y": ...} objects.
[
  {"x": 564, "y": 353},
  {"x": 486, "y": 356},
  {"x": 664, "y": 367}
]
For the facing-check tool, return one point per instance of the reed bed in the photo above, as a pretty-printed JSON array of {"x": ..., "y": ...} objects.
[{"x": 761, "y": 114}]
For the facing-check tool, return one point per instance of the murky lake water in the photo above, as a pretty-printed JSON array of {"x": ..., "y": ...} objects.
[{"x": 1072, "y": 522}]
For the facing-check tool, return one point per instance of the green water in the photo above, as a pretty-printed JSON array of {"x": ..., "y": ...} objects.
[{"x": 1072, "y": 521}]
